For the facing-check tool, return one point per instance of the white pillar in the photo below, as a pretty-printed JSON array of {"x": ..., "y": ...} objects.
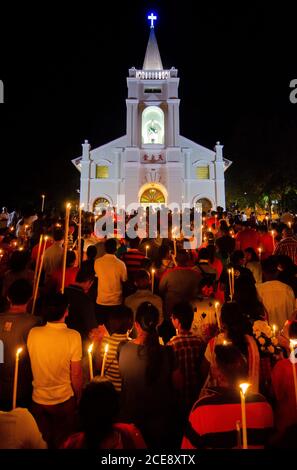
[
  {"x": 85, "y": 176},
  {"x": 219, "y": 176}
]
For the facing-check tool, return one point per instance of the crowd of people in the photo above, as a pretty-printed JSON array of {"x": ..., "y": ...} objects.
[{"x": 142, "y": 343}]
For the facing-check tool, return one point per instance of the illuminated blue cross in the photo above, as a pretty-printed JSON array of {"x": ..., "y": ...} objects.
[{"x": 152, "y": 17}]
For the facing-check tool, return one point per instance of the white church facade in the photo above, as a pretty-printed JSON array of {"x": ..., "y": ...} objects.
[{"x": 152, "y": 164}]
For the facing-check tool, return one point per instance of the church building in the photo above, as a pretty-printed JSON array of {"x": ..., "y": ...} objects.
[{"x": 152, "y": 164}]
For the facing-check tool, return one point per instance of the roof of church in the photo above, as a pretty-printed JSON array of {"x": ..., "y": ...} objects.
[{"x": 152, "y": 59}]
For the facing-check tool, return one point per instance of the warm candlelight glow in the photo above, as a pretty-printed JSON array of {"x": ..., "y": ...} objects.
[
  {"x": 244, "y": 386},
  {"x": 90, "y": 348},
  {"x": 106, "y": 349},
  {"x": 274, "y": 328},
  {"x": 19, "y": 351}
]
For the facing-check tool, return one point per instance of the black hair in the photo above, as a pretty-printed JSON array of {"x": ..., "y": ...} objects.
[
  {"x": 147, "y": 316},
  {"x": 110, "y": 246},
  {"x": 236, "y": 256},
  {"x": 184, "y": 312},
  {"x": 142, "y": 280},
  {"x": 293, "y": 330},
  {"x": 55, "y": 307},
  {"x": 269, "y": 265},
  {"x": 58, "y": 234},
  {"x": 203, "y": 254},
  {"x": 121, "y": 320},
  {"x": 246, "y": 296},
  {"x": 236, "y": 325},
  {"x": 134, "y": 242},
  {"x": 232, "y": 363},
  {"x": 98, "y": 408},
  {"x": 91, "y": 252},
  {"x": 251, "y": 251},
  {"x": 20, "y": 292}
]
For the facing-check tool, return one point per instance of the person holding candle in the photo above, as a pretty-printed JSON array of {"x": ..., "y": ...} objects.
[
  {"x": 236, "y": 330},
  {"x": 212, "y": 421},
  {"x": 15, "y": 325},
  {"x": 188, "y": 350},
  {"x": 283, "y": 387},
  {"x": 55, "y": 353},
  {"x": 150, "y": 381},
  {"x": 53, "y": 256}
]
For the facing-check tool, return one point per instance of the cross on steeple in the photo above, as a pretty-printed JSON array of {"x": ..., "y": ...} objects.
[{"x": 152, "y": 18}]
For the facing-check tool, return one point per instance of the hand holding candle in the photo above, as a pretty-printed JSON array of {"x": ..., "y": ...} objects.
[
  {"x": 15, "y": 380},
  {"x": 243, "y": 389}
]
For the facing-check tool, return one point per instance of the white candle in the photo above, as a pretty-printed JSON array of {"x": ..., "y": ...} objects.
[
  {"x": 15, "y": 380},
  {"x": 273, "y": 240},
  {"x": 104, "y": 360},
  {"x": 274, "y": 328},
  {"x": 90, "y": 349},
  {"x": 243, "y": 389},
  {"x": 42, "y": 203},
  {"x": 260, "y": 252},
  {"x": 79, "y": 235},
  {"x": 37, "y": 261},
  {"x": 68, "y": 206},
  {"x": 217, "y": 305},
  {"x": 146, "y": 250},
  {"x": 153, "y": 280},
  {"x": 230, "y": 284},
  {"x": 35, "y": 292}
]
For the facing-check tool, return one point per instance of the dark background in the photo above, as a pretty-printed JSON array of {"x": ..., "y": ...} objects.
[{"x": 65, "y": 73}]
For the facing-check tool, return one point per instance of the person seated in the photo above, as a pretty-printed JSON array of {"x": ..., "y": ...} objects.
[
  {"x": 283, "y": 387},
  {"x": 213, "y": 420},
  {"x": 98, "y": 411},
  {"x": 188, "y": 350},
  {"x": 18, "y": 430}
]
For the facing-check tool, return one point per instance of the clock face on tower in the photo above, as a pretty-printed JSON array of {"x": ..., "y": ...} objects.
[{"x": 153, "y": 125}]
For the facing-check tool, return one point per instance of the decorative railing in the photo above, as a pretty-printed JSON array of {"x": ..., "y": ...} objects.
[{"x": 153, "y": 74}]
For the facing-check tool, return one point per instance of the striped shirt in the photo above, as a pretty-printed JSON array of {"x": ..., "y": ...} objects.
[
  {"x": 288, "y": 247},
  {"x": 212, "y": 421},
  {"x": 134, "y": 260},
  {"x": 111, "y": 370}
]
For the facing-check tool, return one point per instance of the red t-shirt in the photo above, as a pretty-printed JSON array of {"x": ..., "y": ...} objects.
[
  {"x": 266, "y": 243},
  {"x": 248, "y": 238},
  {"x": 70, "y": 276},
  {"x": 284, "y": 391}
]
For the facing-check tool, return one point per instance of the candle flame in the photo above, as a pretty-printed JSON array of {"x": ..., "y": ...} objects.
[
  {"x": 153, "y": 271},
  {"x": 43, "y": 195},
  {"x": 293, "y": 343},
  {"x": 46, "y": 238},
  {"x": 19, "y": 351},
  {"x": 147, "y": 247},
  {"x": 90, "y": 349},
  {"x": 217, "y": 304},
  {"x": 244, "y": 386},
  {"x": 106, "y": 349},
  {"x": 68, "y": 205}
]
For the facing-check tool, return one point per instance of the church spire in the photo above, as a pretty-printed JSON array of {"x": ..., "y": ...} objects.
[{"x": 152, "y": 59}]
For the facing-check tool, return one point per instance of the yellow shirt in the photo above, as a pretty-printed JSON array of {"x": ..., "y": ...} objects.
[{"x": 52, "y": 348}]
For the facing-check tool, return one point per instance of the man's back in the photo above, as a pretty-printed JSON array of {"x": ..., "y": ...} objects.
[
  {"x": 179, "y": 284},
  {"x": 14, "y": 330},
  {"x": 111, "y": 272},
  {"x": 288, "y": 247},
  {"x": 212, "y": 421},
  {"x": 144, "y": 295},
  {"x": 52, "y": 348},
  {"x": 81, "y": 312},
  {"x": 278, "y": 299},
  {"x": 248, "y": 238},
  {"x": 53, "y": 257}
]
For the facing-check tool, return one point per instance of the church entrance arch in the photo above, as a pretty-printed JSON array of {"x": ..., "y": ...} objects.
[
  {"x": 152, "y": 194},
  {"x": 100, "y": 203},
  {"x": 206, "y": 203}
]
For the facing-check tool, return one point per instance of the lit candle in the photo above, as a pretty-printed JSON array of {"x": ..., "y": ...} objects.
[
  {"x": 232, "y": 281},
  {"x": 90, "y": 349},
  {"x": 42, "y": 202},
  {"x": 290, "y": 224},
  {"x": 38, "y": 276},
  {"x": 217, "y": 305},
  {"x": 176, "y": 331},
  {"x": 37, "y": 262},
  {"x": 274, "y": 328},
  {"x": 267, "y": 219},
  {"x": 273, "y": 240},
  {"x": 293, "y": 344},
  {"x": 146, "y": 250},
  {"x": 260, "y": 252},
  {"x": 243, "y": 389},
  {"x": 104, "y": 360},
  {"x": 67, "y": 216},
  {"x": 230, "y": 284},
  {"x": 15, "y": 380},
  {"x": 79, "y": 235},
  {"x": 153, "y": 280},
  {"x": 174, "y": 243}
]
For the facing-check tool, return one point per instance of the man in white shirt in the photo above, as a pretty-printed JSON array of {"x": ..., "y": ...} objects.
[
  {"x": 111, "y": 273},
  {"x": 55, "y": 352},
  {"x": 278, "y": 298},
  {"x": 18, "y": 430}
]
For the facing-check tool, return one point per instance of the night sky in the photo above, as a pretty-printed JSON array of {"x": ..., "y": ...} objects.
[{"x": 65, "y": 73}]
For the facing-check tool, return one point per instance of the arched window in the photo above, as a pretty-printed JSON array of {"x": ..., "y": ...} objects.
[
  {"x": 152, "y": 128},
  {"x": 152, "y": 196},
  {"x": 206, "y": 204},
  {"x": 100, "y": 203}
]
